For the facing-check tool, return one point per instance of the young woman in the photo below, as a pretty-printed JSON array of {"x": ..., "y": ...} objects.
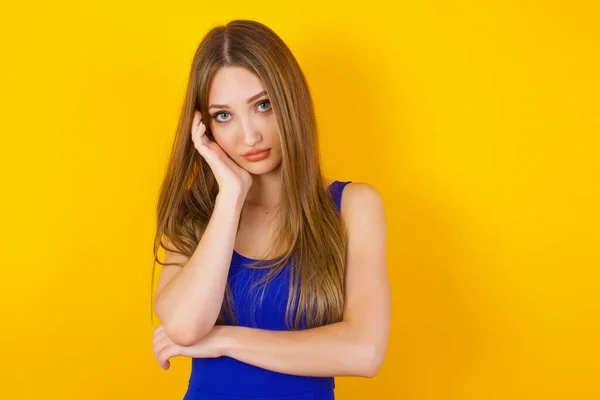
[{"x": 275, "y": 278}]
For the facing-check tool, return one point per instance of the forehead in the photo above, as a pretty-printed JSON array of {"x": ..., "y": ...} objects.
[{"x": 233, "y": 84}]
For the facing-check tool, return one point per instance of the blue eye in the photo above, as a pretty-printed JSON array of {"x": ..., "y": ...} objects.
[
  {"x": 214, "y": 116},
  {"x": 266, "y": 108},
  {"x": 266, "y": 102}
]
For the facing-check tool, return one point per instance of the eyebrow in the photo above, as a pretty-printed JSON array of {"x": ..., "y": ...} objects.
[{"x": 250, "y": 100}]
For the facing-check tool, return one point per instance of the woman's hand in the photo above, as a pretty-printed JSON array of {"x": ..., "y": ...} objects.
[
  {"x": 212, "y": 345},
  {"x": 230, "y": 176}
]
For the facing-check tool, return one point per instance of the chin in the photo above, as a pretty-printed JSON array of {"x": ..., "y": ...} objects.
[{"x": 261, "y": 168}]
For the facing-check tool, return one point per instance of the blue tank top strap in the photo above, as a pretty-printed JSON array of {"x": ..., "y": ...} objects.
[{"x": 336, "y": 189}]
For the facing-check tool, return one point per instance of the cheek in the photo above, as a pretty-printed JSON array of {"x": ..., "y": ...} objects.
[
  {"x": 224, "y": 142},
  {"x": 271, "y": 127}
]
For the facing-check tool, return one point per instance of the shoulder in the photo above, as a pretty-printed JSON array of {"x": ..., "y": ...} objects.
[
  {"x": 361, "y": 194},
  {"x": 358, "y": 194},
  {"x": 361, "y": 202}
]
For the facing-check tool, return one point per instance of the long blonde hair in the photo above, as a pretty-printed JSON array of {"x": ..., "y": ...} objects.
[{"x": 310, "y": 231}]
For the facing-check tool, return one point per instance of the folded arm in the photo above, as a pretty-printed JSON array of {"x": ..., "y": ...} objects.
[{"x": 355, "y": 346}]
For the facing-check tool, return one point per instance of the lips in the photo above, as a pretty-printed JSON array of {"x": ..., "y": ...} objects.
[
  {"x": 253, "y": 152},
  {"x": 254, "y": 156}
]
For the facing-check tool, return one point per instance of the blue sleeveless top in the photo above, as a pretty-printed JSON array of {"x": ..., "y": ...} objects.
[{"x": 225, "y": 378}]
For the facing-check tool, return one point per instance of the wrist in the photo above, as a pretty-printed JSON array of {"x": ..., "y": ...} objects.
[
  {"x": 226, "y": 340},
  {"x": 234, "y": 199}
]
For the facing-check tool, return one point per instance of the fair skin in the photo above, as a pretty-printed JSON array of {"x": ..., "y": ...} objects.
[
  {"x": 239, "y": 127},
  {"x": 243, "y": 120},
  {"x": 354, "y": 346}
]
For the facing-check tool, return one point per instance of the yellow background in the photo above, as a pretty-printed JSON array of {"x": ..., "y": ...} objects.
[{"x": 477, "y": 122}]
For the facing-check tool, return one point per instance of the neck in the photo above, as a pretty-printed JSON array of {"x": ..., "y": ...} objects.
[{"x": 264, "y": 194}]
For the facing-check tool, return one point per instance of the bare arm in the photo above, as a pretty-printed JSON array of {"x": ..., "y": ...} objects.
[
  {"x": 355, "y": 346},
  {"x": 338, "y": 349},
  {"x": 188, "y": 300}
]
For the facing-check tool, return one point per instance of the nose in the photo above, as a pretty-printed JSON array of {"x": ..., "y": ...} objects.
[{"x": 250, "y": 133}]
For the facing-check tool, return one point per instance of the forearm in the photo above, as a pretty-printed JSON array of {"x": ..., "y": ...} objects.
[
  {"x": 190, "y": 304},
  {"x": 331, "y": 350}
]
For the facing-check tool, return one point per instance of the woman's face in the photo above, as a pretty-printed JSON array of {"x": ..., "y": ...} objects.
[{"x": 241, "y": 118}]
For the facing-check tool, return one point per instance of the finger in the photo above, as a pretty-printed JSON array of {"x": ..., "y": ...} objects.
[
  {"x": 199, "y": 118},
  {"x": 202, "y": 132},
  {"x": 202, "y": 149},
  {"x": 158, "y": 329},
  {"x": 160, "y": 359},
  {"x": 199, "y": 134},
  {"x": 166, "y": 354},
  {"x": 161, "y": 342},
  {"x": 195, "y": 119},
  {"x": 195, "y": 124},
  {"x": 197, "y": 141},
  {"x": 158, "y": 337},
  {"x": 157, "y": 332},
  {"x": 204, "y": 145},
  {"x": 162, "y": 351},
  {"x": 194, "y": 130}
]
